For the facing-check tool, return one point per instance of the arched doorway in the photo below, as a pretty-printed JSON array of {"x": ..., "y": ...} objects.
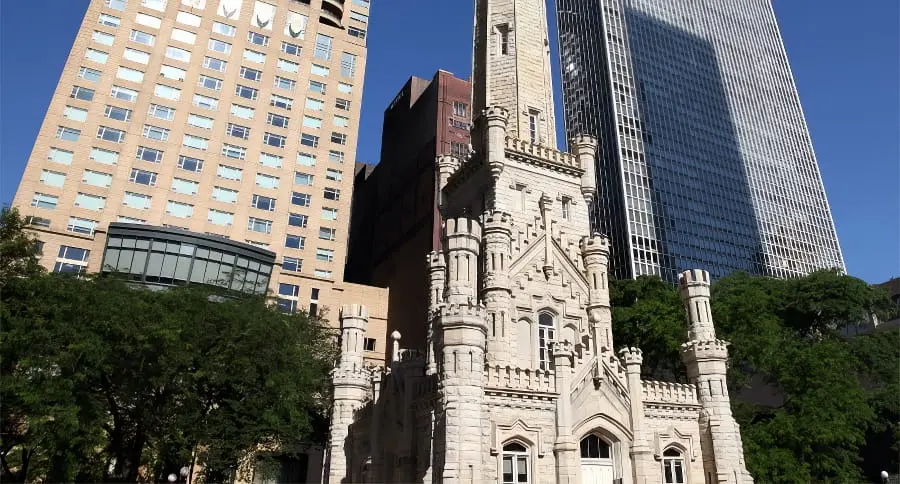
[{"x": 596, "y": 460}]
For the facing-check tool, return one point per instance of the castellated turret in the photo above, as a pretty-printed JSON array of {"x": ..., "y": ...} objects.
[
  {"x": 595, "y": 253},
  {"x": 495, "y": 120},
  {"x": 495, "y": 290},
  {"x": 351, "y": 381},
  {"x": 462, "y": 329},
  {"x": 462, "y": 240},
  {"x": 706, "y": 360},
  {"x": 584, "y": 148},
  {"x": 437, "y": 276}
]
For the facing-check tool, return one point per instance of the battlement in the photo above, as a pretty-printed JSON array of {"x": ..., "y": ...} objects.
[
  {"x": 464, "y": 310},
  {"x": 435, "y": 260},
  {"x": 716, "y": 349},
  {"x": 542, "y": 153},
  {"x": 354, "y": 311},
  {"x": 595, "y": 243},
  {"x": 462, "y": 226},
  {"x": 497, "y": 377},
  {"x": 359, "y": 376},
  {"x": 632, "y": 356},
  {"x": 667, "y": 392},
  {"x": 496, "y": 218},
  {"x": 448, "y": 161},
  {"x": 694, "y": 277},
  {"x": 495, "y": 113},
  {"x": 583, "y": 140}
]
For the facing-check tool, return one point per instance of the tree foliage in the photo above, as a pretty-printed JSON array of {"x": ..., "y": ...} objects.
[
  {"x": 813, "y": 406},
  {"x": 102, "y": 380}
]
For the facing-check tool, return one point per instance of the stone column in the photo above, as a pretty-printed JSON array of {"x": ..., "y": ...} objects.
[
  {"x": 496, "y": 291},
  {"x": 643, "y": 465},
  {"x": 595, "y": 253},
  {"x": 565, "y": 447},
  {"x": 706, "y": 360},
  {"x": 351, "y": 383}
]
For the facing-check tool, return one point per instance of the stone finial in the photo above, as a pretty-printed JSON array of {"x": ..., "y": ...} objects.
[{"x": 632, "y": 357}]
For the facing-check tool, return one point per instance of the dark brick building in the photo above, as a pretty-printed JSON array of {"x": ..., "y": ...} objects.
[{"x": 394, "y": 218}]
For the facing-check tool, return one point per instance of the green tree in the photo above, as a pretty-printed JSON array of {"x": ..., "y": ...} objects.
[
  {"x": 18, "y": 248},
  {"x": 107, "y": 375},
  {"x": 812, "y": 406}
]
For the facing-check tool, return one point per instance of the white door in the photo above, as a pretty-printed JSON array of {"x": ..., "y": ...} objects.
[{"x": 596, "y": 472}]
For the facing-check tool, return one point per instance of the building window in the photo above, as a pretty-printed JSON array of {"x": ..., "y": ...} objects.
[
  {"x": 159, "y": 112},
  {"x": 546, "y": 336},
  {"x": 218, "y": 217},
  {"x": 254, "y": 56},
  {"x": 275, "y": 140},
  {"x": 458, "y": 149},
  {"x": 185, "y": 187},
  {"x": 306, "y": 159},
  {"x": 137, "y": 201},
  {"x": 109, "y": 20},
  {"x": 64, "y": 157},
  {"x": 245, "y": 112},
  {"x": 277, "y": 120},
  {"x": 323, "y": 47},
  {"x": 520, "y": 197},
  {"x": 515, "y": 464},
  {"x": 281, "y": 102},
  {"x": 155, "y": 133},
  {"x": 250, "y": 74},
  {"x": 138, "y": 56},
  {"x": 333, "y": 175},
  {"x": 339, "y": 138},
  {"x": 90, "y": 202},
  {"x": 103, "y": 38},
  {"x": 503, "y": 32},
  {"x": 142, "y": 177},
  {"x": 81, "y": 226},
  {"x": 246, "y": 92},
  {"x": 266, "y": 181},
  {"x": 209, "y": 83},
  {"x": 291, "y": 264},
  {"x": 178, "y": 54},
  {"x": 534, "y": 125},
  {"x": 68, "y": 134},
  {"x": 263, "y": 203},
  {"x": 142, "y": 37},
  {"x": 75, "y": 114},
  {"x": 258, "y": 39},
  {"x": 673, "y": 467},
  {"x": 106, "y": 157},
  {"x": 205, "y": 102},
  {"x": 460, "y": 109},
  {"x": 285, "y": 83},
  {"x": 326, "y": 233},
  {"x": 259, "y": 225},
  {"x": 149, "y": 154},
  {"x": 309, "y": 140},
  {"x": 224, "y": 29},
  {"x": 88, "y": 74},
  {"x": 304, "y": 179},
  {"x": 316, "y": 86},
  {"x": 324, "y": 274},
  {"x": 167, "y": 92},
  {"x": 294, "y": 241},
  {"x": 369, "y": 344},
  {"x": 313, "y": 301},
  {"x": 300, "y": 199},
  {"x": 96, "y": 178},
  {"x": 331, "y": 194},
  {"x": 291, "y": 49},
  {"x": 297, "y": 220},
  {"x": 270, "y": 160},
  {"x": 190, "y": 164},
  {"x": 288, "y": 66},
  {"x": 357, "y": 32},
  {"x": 71, "y": 260},
  {"x": 214, "y": 64},
  {"x": 110, "y": 134},
  {"x": 219, "y": 46},
  {"x": 229, "y": 172},
  {"x": 566, "y": 207},
  {"x": 342, "y": 104},
  {"x": 593, "y": 447},
  {"x": 238, "y": 131},
  {"x": 232, "y": 151},
  {"x": 42, "y": 200},
  {"x": 329, "y": 213},
  {"x": 198, "y": 121},
  {"x": 348, "y": 65},
  {"x": 325, "y": 255},
  {"x": 336, "y": 156},
  {"x": 224, "y": 195}
]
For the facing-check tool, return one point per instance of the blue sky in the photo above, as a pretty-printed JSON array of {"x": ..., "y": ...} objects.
[{"x": 844, "y": 57}]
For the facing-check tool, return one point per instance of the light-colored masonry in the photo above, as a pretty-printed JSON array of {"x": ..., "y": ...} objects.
[{"x": 520, "y": 380}]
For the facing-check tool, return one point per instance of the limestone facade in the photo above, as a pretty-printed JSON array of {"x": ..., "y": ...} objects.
[{"x": 519, "y": 380}]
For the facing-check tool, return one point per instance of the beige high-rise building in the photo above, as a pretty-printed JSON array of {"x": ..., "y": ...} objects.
[{"x": 211, "y": 123}]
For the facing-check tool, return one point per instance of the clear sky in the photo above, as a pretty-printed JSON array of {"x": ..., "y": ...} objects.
[{"x": 845, "y": 57}]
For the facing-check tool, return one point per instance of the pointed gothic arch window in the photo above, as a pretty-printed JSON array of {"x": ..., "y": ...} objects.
[
  {"x": 594, "y": 447},
  {"x": 546, "y": 335},
  {"x": 516, "y": 464},
  {"x": 673, "y": 466}
]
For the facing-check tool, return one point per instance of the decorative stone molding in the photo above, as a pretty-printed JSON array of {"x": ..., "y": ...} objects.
[
  {"x": 501, "y": 433},
  {"x": 672, "y": 437}
]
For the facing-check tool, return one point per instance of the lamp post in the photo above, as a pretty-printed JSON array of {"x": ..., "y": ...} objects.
[{"x": 884, "y": 477}]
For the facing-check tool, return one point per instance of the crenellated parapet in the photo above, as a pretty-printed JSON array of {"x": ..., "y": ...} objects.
[
  {"x": 446, "y": 167},
  {"x": 668, "y": 392},
  {"x": 584, "y": 148},
  {"x": 715, "y": 349},
  {"x": 505, "y": 377},
  {"x": 632, "y": 358}
]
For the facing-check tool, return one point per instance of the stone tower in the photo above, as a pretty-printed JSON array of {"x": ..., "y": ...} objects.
[
  {"x": 462, "y": 330},
  {"x": 705, "y": 358},
  {"x": 351, "y": 381},
  {"x": 511, "y": 66}
]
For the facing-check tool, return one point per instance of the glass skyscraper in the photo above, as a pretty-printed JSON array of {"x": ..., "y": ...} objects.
[{"x": 705, "y": 159}]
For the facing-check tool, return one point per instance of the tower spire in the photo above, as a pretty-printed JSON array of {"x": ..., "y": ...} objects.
[{"x": 511, "y": 66}]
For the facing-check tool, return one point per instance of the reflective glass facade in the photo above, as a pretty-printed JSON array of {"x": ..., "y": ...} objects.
[
  {"x": 705, "y": 160},
  {"x": 158, "y": 255}
]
